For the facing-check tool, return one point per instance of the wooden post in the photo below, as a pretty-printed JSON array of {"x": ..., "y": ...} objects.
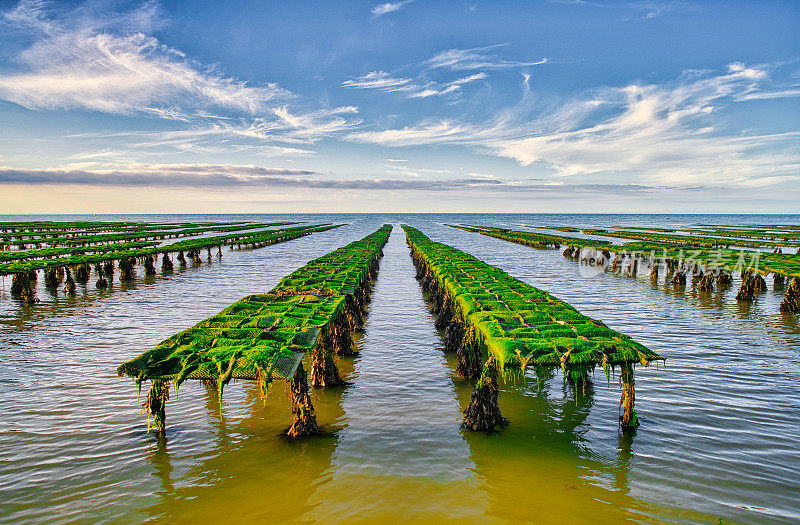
[
  {"x": 50, "y": 278},
  {"x": 24, "y": 285},
  {"x": 628, "y": 419},
  {"x": 69, "y": 287},
  {"x": 108, "y": 268},
  {"x": 101, "y": 280},
  {"x": 324, "y": 371},
  {"x": 126, "y": 268},
  {"x": 468, "y": 360},
  {"x": 166, "y": 263},
  {"x": 747, "y": 290},
  {"x": 156, "y": 403},
  {"x": 304, "y": 418},
  {"x": 149, "y": 265},
  {"x": 483, "y": 411},
  {"x": 791, "y": 303}
]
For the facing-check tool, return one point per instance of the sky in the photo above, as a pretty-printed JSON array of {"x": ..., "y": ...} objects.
[{"x": 407, "y": 106}]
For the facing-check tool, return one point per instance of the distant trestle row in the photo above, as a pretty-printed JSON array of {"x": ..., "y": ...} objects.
[
  {"x": 707, "y": 267},
  {"x": 68, "y": 266}
]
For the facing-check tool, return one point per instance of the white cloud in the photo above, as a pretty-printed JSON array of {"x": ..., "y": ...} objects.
[
  {"x": 379, "y": 80},
  {"x": 643, "y": 9},
  {"x": 765, "y": 95},
  {"x": 388, "y": 7},
  {"x": 476, "y": 58},
  {"x": 666, "y": 134},
  {"x": 94, "y": 59},
  {"x": 383, "y": 81},
  {"x": 421, "y": 86},
  {"x": 80, "y": 65}
]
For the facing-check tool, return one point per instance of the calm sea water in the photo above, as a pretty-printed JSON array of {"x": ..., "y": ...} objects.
[{"x": 720, "y": 423}]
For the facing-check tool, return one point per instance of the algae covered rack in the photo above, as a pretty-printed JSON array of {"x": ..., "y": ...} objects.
[
  {"x": 263, "y": 337},
  {"x": 59, "y": 263},
  {"x": 706, "y": 266},
  {"x": 485, "y": 311}
]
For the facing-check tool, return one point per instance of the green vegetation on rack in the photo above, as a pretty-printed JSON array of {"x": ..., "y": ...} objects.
[
  {"x": 33, "y": 228},
  {"x": 61, "y": 225},
  {"x": 705, "y": 264},
  {"x": 686, "y": 240},
  {"x": 51, "y": 253},
  {"x": 517, "y": 325},
  {"x": 568, "y": 229},
  {"x": 255, "y": 238},
  {"x": 265, "y": 336},
  {"x": 787, "y": 265},
  {"x": 731, "y": 261},
  {"x": 520, "y": 324},
  {"x": 760, "y": 233},
  {"x": 144, "y": 234},
  {"x": 534, "y": 240}
]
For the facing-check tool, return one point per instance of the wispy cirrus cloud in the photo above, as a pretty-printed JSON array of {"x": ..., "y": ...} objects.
[
  {"x": 476, "y": 58},
  {"x": 644, "y": 9},
  {"x": 87, "y": 58},
  {"x": 284, "y": 134},
  {"x": 78, "y": 62},
  {"x": 667, "y": 134},
  {"x": 379, "y": 80},
  {"x": 383, "y": 81},
  {"x": 766, "y": 95},
  {"x": 421, "y": 85},
  {"x": 389, "y": 7}
]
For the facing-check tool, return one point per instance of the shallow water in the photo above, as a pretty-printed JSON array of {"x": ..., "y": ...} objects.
[{"x": 719, "y": 434}]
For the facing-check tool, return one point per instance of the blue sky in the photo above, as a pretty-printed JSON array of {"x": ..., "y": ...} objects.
[{"x": 540, "y": 106}]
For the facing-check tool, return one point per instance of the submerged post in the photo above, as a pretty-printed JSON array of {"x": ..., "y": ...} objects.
[
  {"x": 156, "y": 403},
  {"x": 706, "y": 283},
  {"x": 166, "y": 263},
  {"x": 747, "y": 290},
  {"x": 149, "y": 265},
  {"x": 323, "y": 368},
  {"x": 468, "y": 359},
  {"x": 483, "y": 411},
  {"x": 628, "y": 419},
  {"x": 69, "y": 283},
  {"x": 791, "y": 303},
  {"x": 304, "y": 418},
  {"x": 24, "y": 285},
  {"x": 724, "y": 279},
  {"x": 82, "y": 273},
  {"x": 50, "y": 278},
  {"x": 759, "y": 284},
  {"x": 126, "y": 268},
  {"x": 108, "y": 268},
  {"x": 101, "y": 280}
]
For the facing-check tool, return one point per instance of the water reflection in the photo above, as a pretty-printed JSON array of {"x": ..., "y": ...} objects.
[
  {"x": 718, "y": 435},
  {"x": 247, "y": 449}
]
